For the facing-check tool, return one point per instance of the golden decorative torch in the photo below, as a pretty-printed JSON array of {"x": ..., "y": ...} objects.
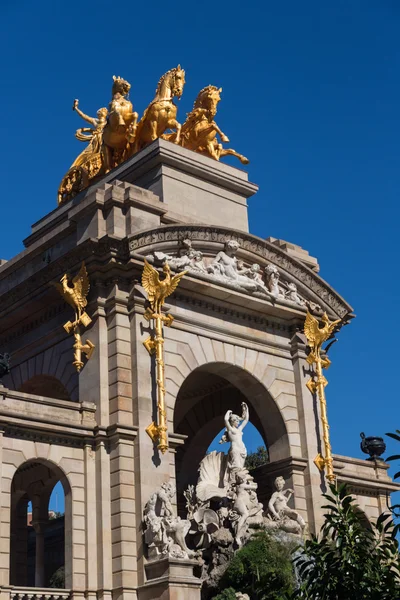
[
  {"x": 316, "y": 336},
  {"x": 75, "y": 295},
  {"x": 157, "y": 291}
]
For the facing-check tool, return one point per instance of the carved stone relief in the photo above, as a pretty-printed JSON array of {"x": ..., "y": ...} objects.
[
  {"x": 320, "y": 291},
  {"x": 226, "y": 269}
]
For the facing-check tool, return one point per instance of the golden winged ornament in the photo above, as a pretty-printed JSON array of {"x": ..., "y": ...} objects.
[
  {"x": 158, "y": 290},
  {"x": 317, "y": 335},
  {"x": 76, "y": 294}
]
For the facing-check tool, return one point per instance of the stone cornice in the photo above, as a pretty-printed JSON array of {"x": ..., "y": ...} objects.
[{"x": 252, "y": 248}]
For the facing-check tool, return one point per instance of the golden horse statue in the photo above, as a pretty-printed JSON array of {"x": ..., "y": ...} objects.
[
  {"x": 120, "y": 129},
  {"x": 199, "y": 131},
  {"x": 160, "y": 115}
]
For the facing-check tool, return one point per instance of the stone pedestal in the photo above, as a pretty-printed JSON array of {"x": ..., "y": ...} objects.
[
  {"x": 195, "y": 188},
  {"x": 170, "y": 579}
]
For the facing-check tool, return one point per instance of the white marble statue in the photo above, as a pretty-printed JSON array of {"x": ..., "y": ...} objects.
[
  {"x": 225, "y": 266},
  {"x": 234, "y": 434},
  {"x": 292, "y": 295},
  {"x": 165, "y": 533},
  {"x": 272, "y": 276},
  {"x": 188, "y": 258},
  {"x": 282, "y": 515},
  {"x": 243, "y": 486}
]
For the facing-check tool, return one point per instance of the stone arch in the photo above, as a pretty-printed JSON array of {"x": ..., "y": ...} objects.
[
  {"x": 264, "y": 377},
  {"x": 53, "y": 364},
  {"x": 201, "y": 403},
  {"x": 33, "y": 481},
  {"x": 45, "y": 385}
]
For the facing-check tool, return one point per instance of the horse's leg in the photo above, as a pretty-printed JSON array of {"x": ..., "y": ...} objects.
[
  {"x": 106, "y": 156},
  {"x": 230, "y": 151},
  {"x": 153, "y": 130},
  {"x": 224, "y": 137},
  {"x": 173, "y": 124},
  {"x": 212, "y": 149}
]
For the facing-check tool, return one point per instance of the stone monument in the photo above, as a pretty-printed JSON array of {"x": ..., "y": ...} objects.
[{"x": 123, "y": 418}]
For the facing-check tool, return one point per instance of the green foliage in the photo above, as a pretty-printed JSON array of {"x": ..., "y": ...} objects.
[
  {"x": 350, "y": 561},
  {"x": 57, "y": 580},
  {"x": 395, "y": 508},
  {"x": 257, "y": 458},
  {"x": 262, "y": 569},
  {"x": 228, "y": 594}
]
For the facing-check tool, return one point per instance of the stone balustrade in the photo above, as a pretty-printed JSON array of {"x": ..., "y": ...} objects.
[{"x": 27, "y": 593}]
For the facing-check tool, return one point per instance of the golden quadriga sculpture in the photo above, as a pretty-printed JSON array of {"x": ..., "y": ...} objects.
[
  {"x": 75, "y": 295},
  {"x": 316, "y": 336},
  {"x": 115, "y": 134},
  {"x": 157, "y": 291}
]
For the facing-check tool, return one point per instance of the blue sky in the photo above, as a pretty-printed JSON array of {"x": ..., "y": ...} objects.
[{"x": 311, "y": 94}]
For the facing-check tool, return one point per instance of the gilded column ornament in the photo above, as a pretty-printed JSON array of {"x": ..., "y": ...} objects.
[
  {"x": 157, "y": 292},
  {"x": 316, "y": 336},
  {"x": 199, "y": 131},
  {"x": 75, "y": 295}
]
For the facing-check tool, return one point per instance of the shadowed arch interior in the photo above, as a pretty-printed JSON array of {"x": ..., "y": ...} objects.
[
  {"x": 204, "y": 398},
  {"x": 45, "y": 385},
  {"x": 34, "y": 482}
]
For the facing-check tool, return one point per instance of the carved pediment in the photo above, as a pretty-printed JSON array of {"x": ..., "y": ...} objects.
[{"x": 242, "y": 262}]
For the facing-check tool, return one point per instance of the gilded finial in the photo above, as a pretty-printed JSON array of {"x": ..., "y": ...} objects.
[{"x": 75, "y": 294}]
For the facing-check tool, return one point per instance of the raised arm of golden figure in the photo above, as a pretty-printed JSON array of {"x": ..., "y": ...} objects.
[{"x": 90, "y": 120}]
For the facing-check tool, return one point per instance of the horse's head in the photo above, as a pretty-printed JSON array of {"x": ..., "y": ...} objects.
[
  {"x": 120, "y": 86},
  {"x": 208, "y": 98},
  {"x": 177, "y": 81}
]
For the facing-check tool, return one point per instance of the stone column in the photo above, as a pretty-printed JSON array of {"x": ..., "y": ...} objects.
[
  {"x": 103, "y": 486},
  {"x": 152, "y": 468},
  {"x": 123, "y": 518},
  {"x": 40, "y": 575}
]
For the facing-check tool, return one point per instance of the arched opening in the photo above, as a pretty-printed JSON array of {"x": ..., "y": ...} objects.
[
  {"x": 204, "y": 398},
  {"x": 40, "y": 539},
  {"x": 45, "y": 385}
]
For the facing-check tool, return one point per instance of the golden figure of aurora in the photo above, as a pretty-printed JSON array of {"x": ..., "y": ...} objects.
[
  {"x": 199, "y": 131},
  {"x": 108, "y": 141}
]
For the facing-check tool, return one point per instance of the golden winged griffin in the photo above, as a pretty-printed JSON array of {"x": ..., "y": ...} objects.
[
  {"x": 75, "y": 294},
  {"x": 116, "y": 133},
  {"x": 158, "y": 290},
  {"x": 317, "y": 335}
]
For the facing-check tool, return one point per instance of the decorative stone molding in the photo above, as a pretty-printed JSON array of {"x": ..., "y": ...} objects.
[{"x": 251, "y": 250}]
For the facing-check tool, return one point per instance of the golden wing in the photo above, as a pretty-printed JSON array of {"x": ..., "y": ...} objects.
[
  {"x": 311, "y": 328},
  {"x": 173, "y": 284},
  {"x": 81, "y": 286},
  {"x": 150, "y": 280},
  {"x": 332, "y": 326}
]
